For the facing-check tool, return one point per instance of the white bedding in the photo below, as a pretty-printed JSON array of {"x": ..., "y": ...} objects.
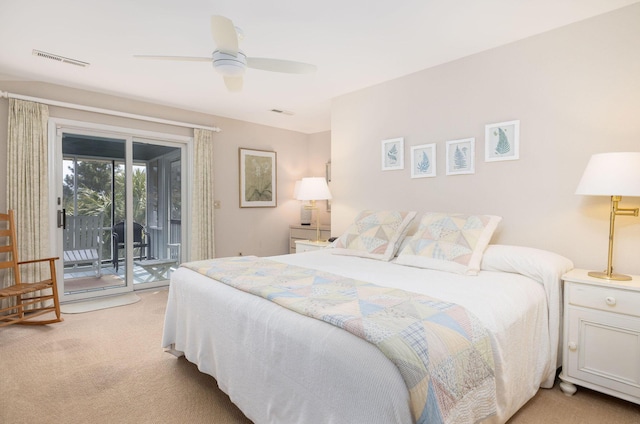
[{"x": 282, "y": 367}]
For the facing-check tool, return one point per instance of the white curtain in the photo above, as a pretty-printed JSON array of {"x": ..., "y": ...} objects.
[
  {"x": 202, "y": 240},
  {"x": 27, "y": 182}
]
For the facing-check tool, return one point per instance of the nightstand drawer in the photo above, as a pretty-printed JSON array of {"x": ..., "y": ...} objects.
[
  {"x": 308, "y": 245},
  {"x": 302, "y": 234},
  {"x": 605, "y": 299}
]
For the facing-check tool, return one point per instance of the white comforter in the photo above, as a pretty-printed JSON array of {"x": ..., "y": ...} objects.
[{"x": 282, "y": 367}]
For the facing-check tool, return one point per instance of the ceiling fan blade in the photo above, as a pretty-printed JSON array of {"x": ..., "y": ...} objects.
[
  {"x": 224, "y": 34},
  {"x": 234, "y": 84},
  {"x": 278, "y": 65},
  {"x": 180, "y": 58}
]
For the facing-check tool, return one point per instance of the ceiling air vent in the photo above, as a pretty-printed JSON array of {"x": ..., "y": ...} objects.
[
  {"x": 59, "y": 58},
  {"x": 284, "y": 112}
]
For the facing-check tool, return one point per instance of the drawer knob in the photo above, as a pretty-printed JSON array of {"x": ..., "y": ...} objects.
[
  {"x": 572, "y": 346},
  {"x": 611, "y": 301}
]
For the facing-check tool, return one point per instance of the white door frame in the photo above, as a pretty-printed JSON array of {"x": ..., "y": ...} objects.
[{"x": 55, "y": 128}]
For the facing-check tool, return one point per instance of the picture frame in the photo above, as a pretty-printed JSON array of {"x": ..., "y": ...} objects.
[
  {"x": 393, "y": 154},
  {"x": 258, "y": 178},
  {"x": 423, "y": 161},
  {"x": 502, "y": 141},
  {"x": 461, "y": 156}
]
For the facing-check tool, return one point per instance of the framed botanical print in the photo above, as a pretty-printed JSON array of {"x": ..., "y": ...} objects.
[
  {"x": 502, "y": 141},
  {"x": 423, "y": 161},
  {"x": 461, "y": 156},
  {"x": 258, "y": 187},
  {"x": 393, "y": 154}
]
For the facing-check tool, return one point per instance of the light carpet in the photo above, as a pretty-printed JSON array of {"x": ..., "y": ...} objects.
[
  {"x": 100, "y": 303},
  {"x": 89, "y": 283},
  {"x": 107, "y": 366}
]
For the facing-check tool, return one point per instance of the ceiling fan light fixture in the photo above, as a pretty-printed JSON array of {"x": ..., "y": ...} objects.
[
  {"x": 231, "y": 63},
  {"x": 228, "y": 64}
]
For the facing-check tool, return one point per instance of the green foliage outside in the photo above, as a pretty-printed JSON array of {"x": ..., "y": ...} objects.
[{"x": 94, "y": 190}]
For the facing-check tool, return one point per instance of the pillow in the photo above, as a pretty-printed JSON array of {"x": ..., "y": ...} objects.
[
  {"x": 540, "y": 265},
  {"x": 450, "y": 242},
  {"x": 374, "y": 234}
]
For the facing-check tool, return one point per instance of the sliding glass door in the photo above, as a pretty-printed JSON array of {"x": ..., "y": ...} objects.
[
  {"x": 119, "y": 209},
  {"x": 93, "y": 199}
]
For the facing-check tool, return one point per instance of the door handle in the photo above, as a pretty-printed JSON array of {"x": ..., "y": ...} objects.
[{"x": 62, "y": 219}]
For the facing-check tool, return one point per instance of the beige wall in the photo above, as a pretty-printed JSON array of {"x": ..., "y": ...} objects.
[
  {"x": 258, "y": 231},
  {"x": 576, "y": 92}
]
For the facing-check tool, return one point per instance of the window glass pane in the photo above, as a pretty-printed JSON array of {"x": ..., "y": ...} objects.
[{"x": 176, "y": 204}]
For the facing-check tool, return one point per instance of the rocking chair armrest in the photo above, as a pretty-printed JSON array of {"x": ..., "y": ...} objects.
[{"x": 32, "y": 261}]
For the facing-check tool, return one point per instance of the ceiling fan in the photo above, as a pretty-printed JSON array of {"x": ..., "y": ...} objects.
[{"x": 229, "y": 61}]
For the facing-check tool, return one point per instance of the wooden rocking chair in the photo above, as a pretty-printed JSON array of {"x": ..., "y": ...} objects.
[{"x": 28, "y": 303}]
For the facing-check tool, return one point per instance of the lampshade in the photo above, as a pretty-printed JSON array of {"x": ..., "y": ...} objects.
[
  {"x": 313, "y": 188},
  {"x": 611, "y": 174}
]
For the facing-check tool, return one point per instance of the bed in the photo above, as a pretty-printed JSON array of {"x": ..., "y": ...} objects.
[{"x": 281, "y": 366}]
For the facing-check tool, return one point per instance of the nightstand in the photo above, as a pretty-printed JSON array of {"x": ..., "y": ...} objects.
[
  {"x": 308, "y": 245},
  {"x": 601, "y": 348},
  {"x": 306, "y": 232}
]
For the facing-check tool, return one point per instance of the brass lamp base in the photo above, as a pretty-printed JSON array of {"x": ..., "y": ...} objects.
[
  {"x": 615, "y": 210},
  {"x": 606, "y": 276},
  {"x": 313, "y": 207}
]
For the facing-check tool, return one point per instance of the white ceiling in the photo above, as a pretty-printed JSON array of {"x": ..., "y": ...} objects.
[{"x": 354, "y": 43}]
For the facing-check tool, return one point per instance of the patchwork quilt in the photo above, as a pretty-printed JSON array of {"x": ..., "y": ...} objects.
[{"x": 441, "y": 350}]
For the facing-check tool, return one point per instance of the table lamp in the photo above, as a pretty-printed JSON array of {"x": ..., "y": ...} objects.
[
  {"x": 616, "y": 175},
  {"x": 314, "y": 189},
  {"x": 305, "y": 214}
]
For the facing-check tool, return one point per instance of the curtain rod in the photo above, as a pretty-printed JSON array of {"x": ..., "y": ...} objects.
[{"x": 105, "y": 111}]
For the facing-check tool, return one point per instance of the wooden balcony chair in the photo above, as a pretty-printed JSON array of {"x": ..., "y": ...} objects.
[
  {"x": 82, "y": 241},
  {"x": 31, "y": 300}
]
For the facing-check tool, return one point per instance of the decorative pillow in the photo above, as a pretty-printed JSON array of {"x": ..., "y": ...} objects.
[
  {"x": 450, "y": 242},
  {"x": 374, "y": 234}
]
